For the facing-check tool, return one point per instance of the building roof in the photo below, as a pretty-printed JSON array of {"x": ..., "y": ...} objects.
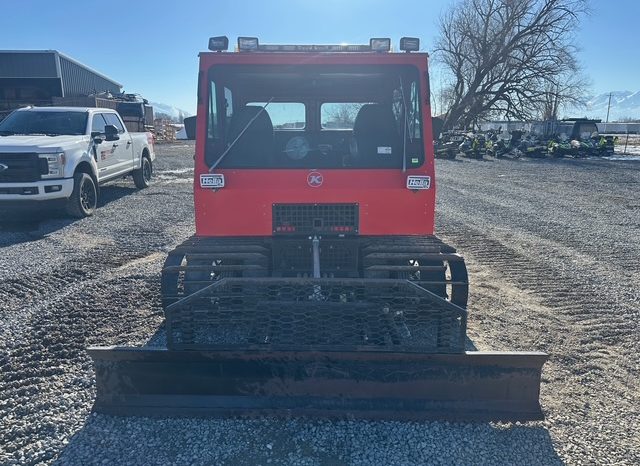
[{"x": 59, "y": 54}]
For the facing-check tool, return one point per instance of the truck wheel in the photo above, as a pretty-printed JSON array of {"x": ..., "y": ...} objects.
[
  {"x": 84, "y": 198},
  {"x": 142, "y": 176}
]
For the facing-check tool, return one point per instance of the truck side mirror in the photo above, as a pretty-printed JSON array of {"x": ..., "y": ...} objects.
[{"x": 111, "y": 133}]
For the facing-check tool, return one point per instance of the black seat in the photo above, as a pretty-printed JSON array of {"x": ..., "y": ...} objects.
[
  {"x": 255, "y": 146},
  {"x": 377, "y": 142}
]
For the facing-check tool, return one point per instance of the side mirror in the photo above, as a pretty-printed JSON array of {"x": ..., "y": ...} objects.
[
  {"x": 111, "y": 133},
  {"x": 96, "y": 136}
]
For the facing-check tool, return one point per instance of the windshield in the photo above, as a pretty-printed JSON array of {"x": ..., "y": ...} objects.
[
  {"x": 314, "y": 116},
  {"x": 48, "y": 123}
]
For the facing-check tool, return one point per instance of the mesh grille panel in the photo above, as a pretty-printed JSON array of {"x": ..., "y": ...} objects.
[
  {"x": 392, "y": 315},
  {"x": 294, "y": 257},
  {"x": 315, "y": 218}
]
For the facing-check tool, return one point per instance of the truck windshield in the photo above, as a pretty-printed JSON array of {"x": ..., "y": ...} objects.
[
  {"x": 46, "y": 122},
  {"x": 314, "y": 116}
]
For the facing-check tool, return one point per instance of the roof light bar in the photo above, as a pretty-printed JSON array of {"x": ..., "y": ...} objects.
[
  {"x": 218, "y": 44},
  {"x": 410, "y": 44},
  {"x": 251, "y": 44},
  {"x": 378, "y": 44}
]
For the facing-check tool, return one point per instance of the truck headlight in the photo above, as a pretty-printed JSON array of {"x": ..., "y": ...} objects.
[{"x": 54, "y": 165}]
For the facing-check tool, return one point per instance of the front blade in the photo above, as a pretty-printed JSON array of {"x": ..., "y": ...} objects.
[{"x": 363, "y": 384}]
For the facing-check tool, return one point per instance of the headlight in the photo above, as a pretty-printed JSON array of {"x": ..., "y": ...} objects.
[{"x": 54, "y": 165}]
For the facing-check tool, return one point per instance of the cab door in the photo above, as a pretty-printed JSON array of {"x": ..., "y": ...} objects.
[
  {"x": 104, "y": 151},
  {"x": 122, "y": 148}
]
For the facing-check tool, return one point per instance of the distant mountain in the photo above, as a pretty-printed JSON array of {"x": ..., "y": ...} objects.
[
  {"x": 624, "y": 104},
  {"x": 170, "y": 110}
]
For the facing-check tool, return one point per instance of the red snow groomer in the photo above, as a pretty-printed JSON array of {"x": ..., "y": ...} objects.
[{"x": 314, "y": 284}]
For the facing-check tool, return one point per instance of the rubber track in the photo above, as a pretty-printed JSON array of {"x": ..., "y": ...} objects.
[
  {"x": 189, "y": 266},
  {"x": 389, "y": 255}
]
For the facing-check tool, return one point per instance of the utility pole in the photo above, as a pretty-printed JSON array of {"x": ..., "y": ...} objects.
[{"x": 608, "y": 107}]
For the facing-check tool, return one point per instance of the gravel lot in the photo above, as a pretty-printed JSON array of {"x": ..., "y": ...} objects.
[{"x": 553, "y": 249}]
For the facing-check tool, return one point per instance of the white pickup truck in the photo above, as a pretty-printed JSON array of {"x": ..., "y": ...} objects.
[{"x": 63, "y": 154}]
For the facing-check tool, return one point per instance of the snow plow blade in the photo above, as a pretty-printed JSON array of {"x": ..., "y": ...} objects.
[
  {"x": 480, "y": 386},
  {"x": 354, "y": 348}
]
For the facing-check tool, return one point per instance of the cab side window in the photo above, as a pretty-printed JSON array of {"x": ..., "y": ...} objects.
[
  {"x": 415, "y": 131},
  {"x": 406, "y": 109},
  {"x": 98, "y": 123},
  {"x": 228, "y": 103},
  {"x": 212, "y": 123},
  {"x": 112, "y": 119}
]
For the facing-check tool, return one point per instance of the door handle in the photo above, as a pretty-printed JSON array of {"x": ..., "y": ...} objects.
[
  {"x": 115, "y": 145},
  {"x": 128, "y": 143}
]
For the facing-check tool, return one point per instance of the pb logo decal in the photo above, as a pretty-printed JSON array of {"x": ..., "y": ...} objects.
[{"x": 314, "y": 179}]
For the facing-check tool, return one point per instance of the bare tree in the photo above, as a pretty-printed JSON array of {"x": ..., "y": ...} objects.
[
  {"x": 340, "y": 115},
  {"x": 568, "y": 91},
  {"x": 509, "y": 58}
]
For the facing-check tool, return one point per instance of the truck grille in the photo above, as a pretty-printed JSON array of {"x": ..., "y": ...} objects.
[
  {"x": 21, "y": 168},
  {"x": 340, "y": 219}
]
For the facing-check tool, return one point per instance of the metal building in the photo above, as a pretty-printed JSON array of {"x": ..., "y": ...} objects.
[{"x": 35, "y": 77}]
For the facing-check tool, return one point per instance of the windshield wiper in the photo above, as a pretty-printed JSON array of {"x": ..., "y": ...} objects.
[
  {"x": 217, "y": 162},
  {"x": 15, "y": 133}
]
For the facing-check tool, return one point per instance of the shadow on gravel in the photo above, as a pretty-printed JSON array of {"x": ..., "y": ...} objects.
[
  {"x": 24, "y": 224},
  {"x": 159, "y": 338},
  {"x": 109, "y": 194},
  {"x": 456, "y": 160},
  {"x": 469, "y": 345},
  {"x": 145, "y": 441}
]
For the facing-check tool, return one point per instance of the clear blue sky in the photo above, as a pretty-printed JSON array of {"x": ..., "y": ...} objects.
[{"x": 152, "y": 46}]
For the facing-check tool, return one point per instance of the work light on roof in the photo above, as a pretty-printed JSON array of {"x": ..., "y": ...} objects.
[
  {"x": 218, "y": 44},
  {"x": 248, "y": 44},
  {"x": 410, "y": 44},
  {"x": 378, "y": 44}
]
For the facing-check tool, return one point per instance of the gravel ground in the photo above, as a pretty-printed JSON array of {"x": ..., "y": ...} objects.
[{"x": 552, "y": 248}]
